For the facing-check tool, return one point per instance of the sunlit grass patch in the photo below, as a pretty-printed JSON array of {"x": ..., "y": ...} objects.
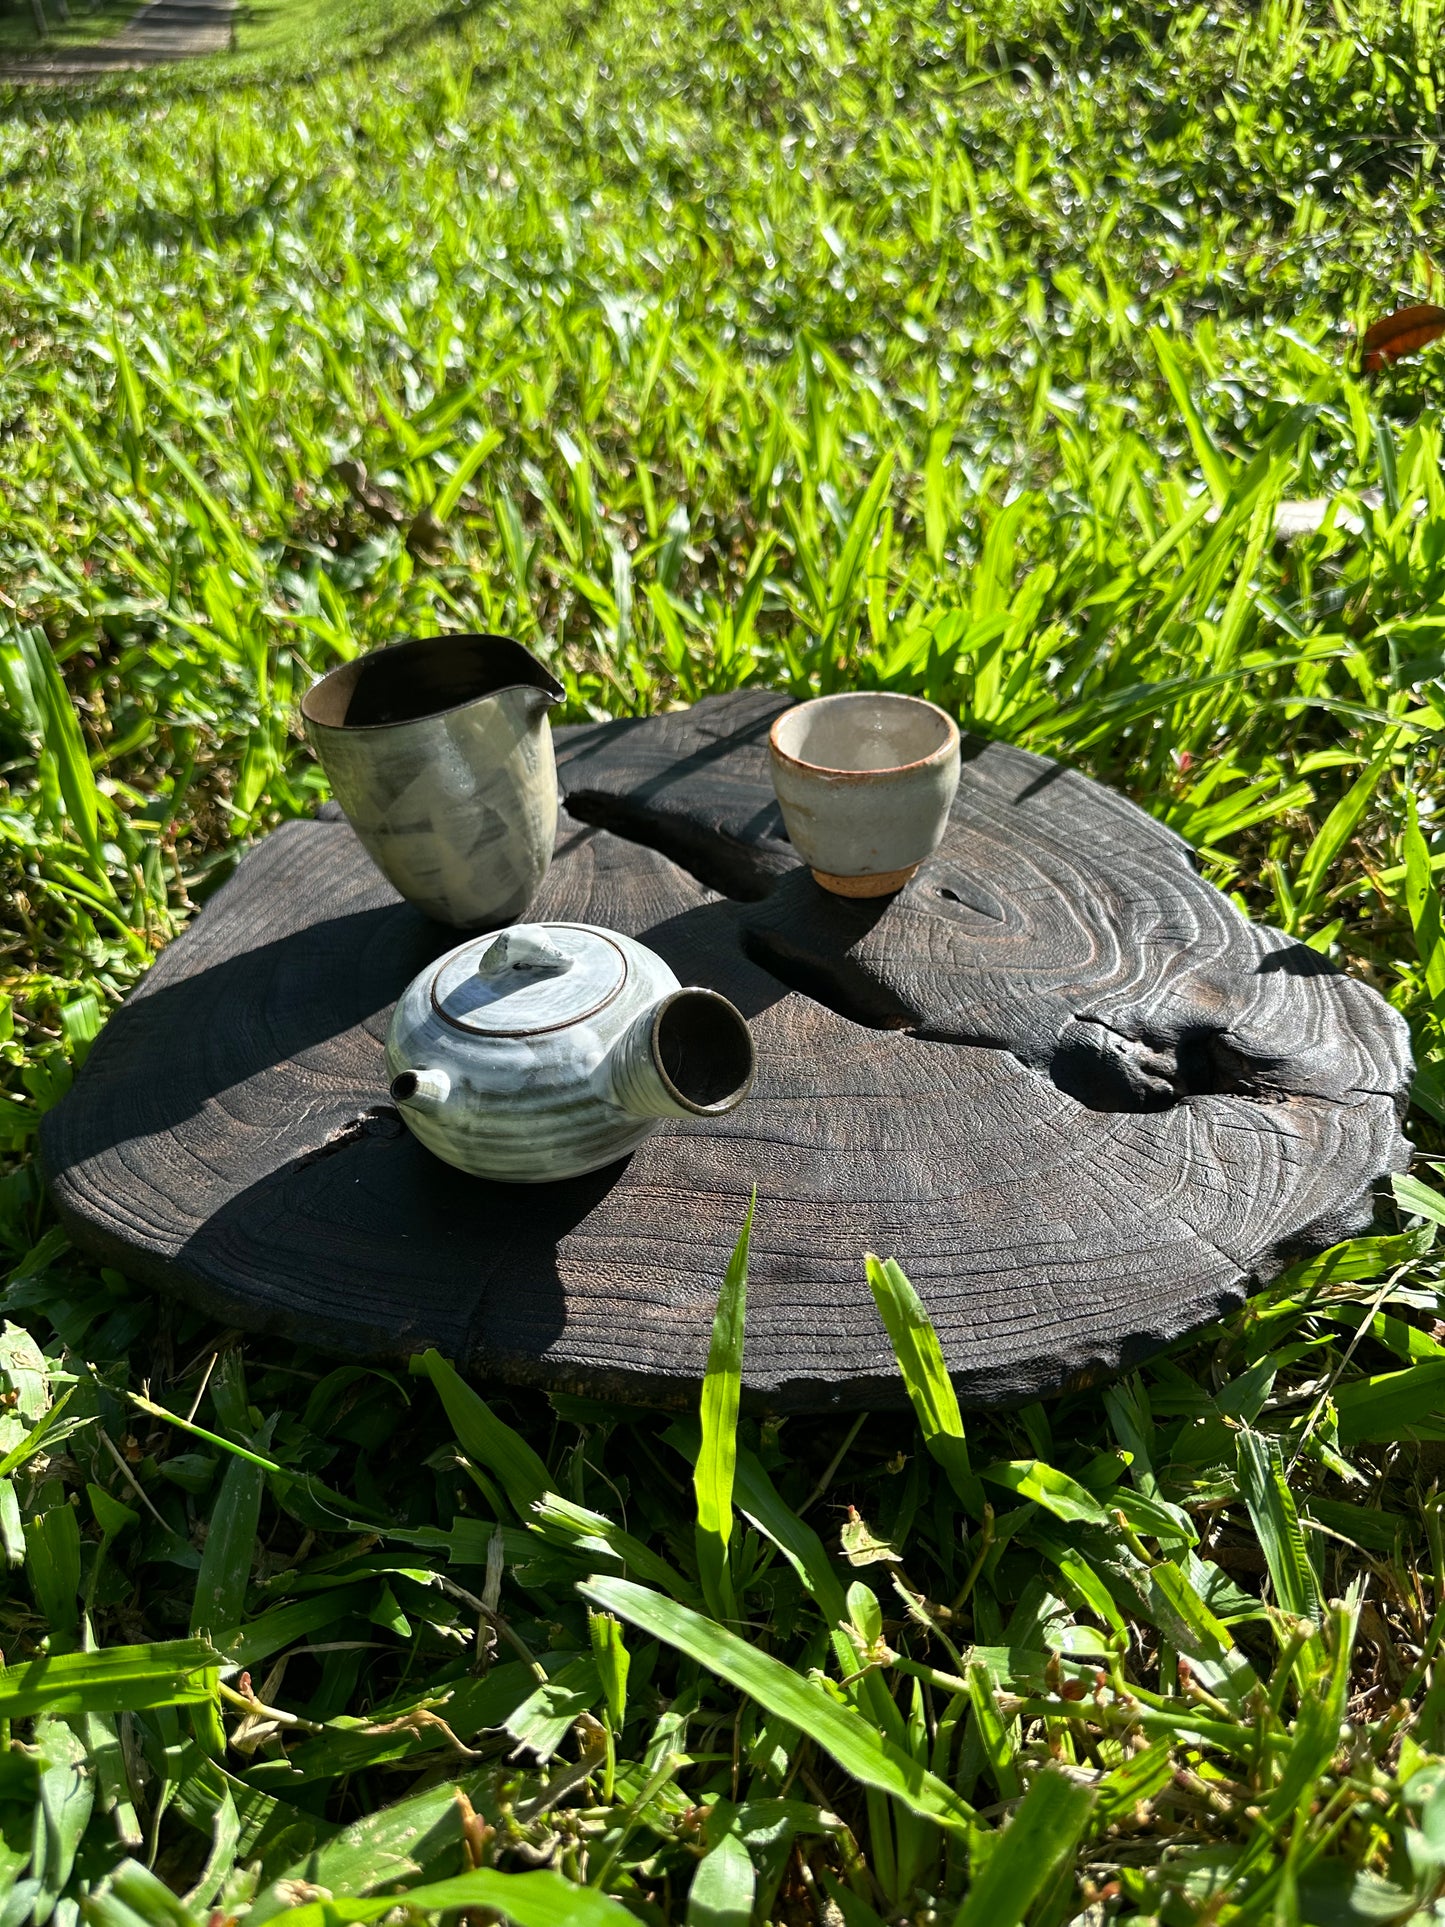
[{"x": 986, "y": 355}]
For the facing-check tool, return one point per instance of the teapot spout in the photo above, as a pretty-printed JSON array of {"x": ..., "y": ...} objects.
[
  {"x": 690, "y": 1055},
  {"x": 421, "y": 1090}
]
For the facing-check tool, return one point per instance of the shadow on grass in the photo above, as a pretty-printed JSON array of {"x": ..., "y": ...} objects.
[
  {"x": 19, "y": 40},
  {"x": 299, "y": 62}
]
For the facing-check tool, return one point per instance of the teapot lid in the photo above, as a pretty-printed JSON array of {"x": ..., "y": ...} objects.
[{"x": 532, "y": 977}]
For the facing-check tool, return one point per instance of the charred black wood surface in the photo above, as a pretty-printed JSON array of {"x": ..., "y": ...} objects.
[{"x": 1081, "y": 1099}]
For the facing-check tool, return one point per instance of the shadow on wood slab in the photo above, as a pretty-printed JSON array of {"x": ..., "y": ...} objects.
[{"x": 1081, "y": 1100}]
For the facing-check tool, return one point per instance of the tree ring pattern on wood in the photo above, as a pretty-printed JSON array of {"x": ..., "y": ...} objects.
[{"x": 1057, "y": 1076}]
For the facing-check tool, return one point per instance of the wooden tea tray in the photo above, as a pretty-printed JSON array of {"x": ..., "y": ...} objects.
[{"x": 1080, "y": 1099}]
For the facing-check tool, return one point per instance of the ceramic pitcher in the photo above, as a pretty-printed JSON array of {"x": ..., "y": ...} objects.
[{"x": 439, "y": 750}]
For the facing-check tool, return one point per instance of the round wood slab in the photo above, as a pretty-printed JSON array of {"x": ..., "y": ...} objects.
[{"x": 1080, "y": 1099}]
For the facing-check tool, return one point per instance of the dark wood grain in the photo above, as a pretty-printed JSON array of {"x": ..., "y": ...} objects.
[{"x": 1080, "y": 1099}]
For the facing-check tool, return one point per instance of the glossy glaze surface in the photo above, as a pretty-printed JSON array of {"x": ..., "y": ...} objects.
[
  {"x": 440, "y": 753},
  {"x": 554, "y": 1049}
]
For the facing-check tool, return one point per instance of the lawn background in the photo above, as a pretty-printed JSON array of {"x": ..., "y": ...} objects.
[{"x": 967, "y": 352}]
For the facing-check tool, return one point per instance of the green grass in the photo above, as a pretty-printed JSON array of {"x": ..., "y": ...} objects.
[
  {"x": 968, "y": 353},
  {"x": 286, "y": 36}
]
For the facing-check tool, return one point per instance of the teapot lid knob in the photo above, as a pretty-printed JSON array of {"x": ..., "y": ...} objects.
[{"x": 522, "y": 950}]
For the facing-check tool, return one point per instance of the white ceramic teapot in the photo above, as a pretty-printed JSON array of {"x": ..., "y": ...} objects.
[{"x": 551, "y": 1049}]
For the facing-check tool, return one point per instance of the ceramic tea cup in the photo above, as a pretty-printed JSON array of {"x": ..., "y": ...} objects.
[
  {"x": 439, "y": 750},
  {"x": 865, "y": 783}
]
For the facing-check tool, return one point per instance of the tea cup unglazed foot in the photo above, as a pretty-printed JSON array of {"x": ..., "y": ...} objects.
[{"x": 886, "y": 884}]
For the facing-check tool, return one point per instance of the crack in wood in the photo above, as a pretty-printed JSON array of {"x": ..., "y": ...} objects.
[
  {"x": 1050, "y": 1240},
  {"x": 381, "y": 1121}
]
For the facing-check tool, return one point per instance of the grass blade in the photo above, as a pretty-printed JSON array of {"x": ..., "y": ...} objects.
[
  {"x": 613, "y": 1663},
  {"x": 119, "y": 1679},
  {"x": 1418, "y": 1199},
  {"x": 999, "y": 1745},
  {"x": 1281, "y": 1537},
  {"x": 1380, "y": 1410},
  {"x": 1055, "y": 1491},
  {"x": 1422, "y": 900},
  {"x": 724, "y": 1886},
  {"x": 52, "y": 1565},
  {"x": 1041, "y": 1836},
  {"x": 1207, "y": 451},
  {"x": 538, "y": 1899},
  {"x": 712, "y": 1476},
  {"x": 457, "y": 482},
  {"x": 849, "y": 1739},
  {"x": 920, "y": 1360},
  {"x": 592, "y": 1533},
  {"x": 763, "y": 1506},
  {"x": 1340, "y": 825},
  {"x": 1318, "y": 1729},
  {"x": 225, "y": 1572},
  {"x": 64, "y": 741},
  {"x": 485, "y": 1438}
]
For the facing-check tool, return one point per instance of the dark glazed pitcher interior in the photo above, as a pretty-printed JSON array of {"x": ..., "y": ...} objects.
[{"x": 424, "y": 677}]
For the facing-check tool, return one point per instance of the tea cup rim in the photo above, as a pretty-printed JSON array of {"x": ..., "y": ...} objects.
[{"x": 946, "y": 748}]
